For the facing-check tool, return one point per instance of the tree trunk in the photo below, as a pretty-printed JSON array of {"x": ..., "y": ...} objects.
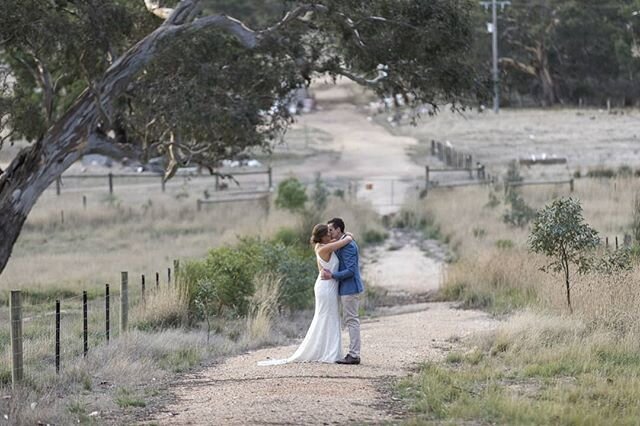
[
  {"x": 566, "y": 281},
  {"x": 544, "y": 75},
  {"x": 549, "y": 97},
  {"x": 37, "y": 166},
  {"x": 76, "y": 133}
]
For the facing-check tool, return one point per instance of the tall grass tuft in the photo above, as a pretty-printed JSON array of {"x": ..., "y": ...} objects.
[
  {"x": 165, "y": 308},
  {"x": 263, "y": 307}
]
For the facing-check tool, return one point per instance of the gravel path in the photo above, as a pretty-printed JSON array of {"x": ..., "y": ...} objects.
[{"x": 237, "y": 391}]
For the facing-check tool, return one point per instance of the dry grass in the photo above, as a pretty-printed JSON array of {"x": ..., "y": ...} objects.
[
  {"x": 140, "y": 232},
  {"x": 494, "y": 259},
  {"x": 537, "y": 369},
  {"x": 263, "y": 307},
  {"x": 588, "y": 138},
  {"x": 543, "y": 366}
]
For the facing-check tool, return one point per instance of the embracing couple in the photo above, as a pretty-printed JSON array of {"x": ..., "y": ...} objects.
[{"x": 338, "y": 279}]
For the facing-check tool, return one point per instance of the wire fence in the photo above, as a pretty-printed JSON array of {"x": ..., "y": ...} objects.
[
  {"x": 45, "y": 338},
  {"x": 112, "y": 182}
]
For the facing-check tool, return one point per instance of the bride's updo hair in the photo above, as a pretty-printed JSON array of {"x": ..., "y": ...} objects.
[{"x": 319, "y": 231}]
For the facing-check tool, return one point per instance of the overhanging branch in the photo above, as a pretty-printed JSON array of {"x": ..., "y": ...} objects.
[
  {"x": 374, "y": 82},
  {"x": 99, "y": 143}
]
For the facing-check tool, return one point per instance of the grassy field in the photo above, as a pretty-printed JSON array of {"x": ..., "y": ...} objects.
[
  {"x": 544, "y": 365},
  {"x": 139, "y": 230},
  {"x": 587, "y": 138}
]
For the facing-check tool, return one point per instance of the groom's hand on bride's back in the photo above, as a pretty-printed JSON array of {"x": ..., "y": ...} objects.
[{"x": 326, "y": 274}]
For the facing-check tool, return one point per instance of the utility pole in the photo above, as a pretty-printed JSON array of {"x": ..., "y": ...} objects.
[{"x": 494, "y": 48}]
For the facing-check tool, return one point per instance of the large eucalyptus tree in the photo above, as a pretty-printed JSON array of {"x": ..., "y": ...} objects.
[{"x": 135, "y": 79}]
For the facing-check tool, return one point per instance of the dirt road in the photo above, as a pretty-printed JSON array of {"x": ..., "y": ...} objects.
[
  {"x": 238, "y": 391},
  {"x": 358, "y": 149}
]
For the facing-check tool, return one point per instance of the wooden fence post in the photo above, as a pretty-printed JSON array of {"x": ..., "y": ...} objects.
[
  {"x": 16, "y": 337},
  {"x": 433, "y": 148},
  {"x": 84, "y": 202},
  {"x": 169, "y": 276},
  {"x": 124, "y": 302},
  {"x": 143, "y": 290},
  {"x": 176, "y": 267},
  {"x": 571, "y": 185},
  {"x": 110, "y": 183},
  {"x": 270, "y": 178},
  {"x": 426, "y": 182},
  {"x": 58, "y": 185},
  {"x": 157, "y": 281}
]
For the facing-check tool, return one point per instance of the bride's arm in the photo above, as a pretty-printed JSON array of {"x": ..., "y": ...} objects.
[{"x": 327, "y": 249}]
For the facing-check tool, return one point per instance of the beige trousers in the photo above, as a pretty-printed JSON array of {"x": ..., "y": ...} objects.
[{"x": 350, "y": 307}]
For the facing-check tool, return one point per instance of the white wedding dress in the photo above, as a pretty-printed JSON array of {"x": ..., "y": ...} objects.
[{"x": 323, "y": 342}]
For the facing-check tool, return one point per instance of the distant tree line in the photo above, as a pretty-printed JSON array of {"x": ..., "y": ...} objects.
[{"x": 568, "y": 52}]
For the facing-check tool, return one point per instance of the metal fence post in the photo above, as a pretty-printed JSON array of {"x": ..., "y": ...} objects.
[
  {"x": 107, "y": 325},
  {"x": 16, "y": 337},
  {"x": 85, "y": 324},
  {"x": 57, "y": 336}
]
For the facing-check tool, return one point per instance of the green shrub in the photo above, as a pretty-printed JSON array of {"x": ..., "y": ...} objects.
[
  {"x": 219, "y": 284},
  {"x": 291, "y": 195},
  {"x": 519, "y": 213},
  {"x": 223, "y": 282},
  {"x": 288, "y": 237},
  {"x": 373, "y": 236},
  {"x": 320, "y": 194},
  {"x": 296, "y": 266}
]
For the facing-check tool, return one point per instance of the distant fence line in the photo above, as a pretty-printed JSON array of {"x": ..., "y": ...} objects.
[
  {"x": 570, "y": 182},
  {"x": 458, "y": 161},
  {"x": 18, "y": 321},
  {"x": 108, "y": 178}
]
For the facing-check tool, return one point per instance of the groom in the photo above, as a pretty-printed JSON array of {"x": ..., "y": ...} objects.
[{"x": 350, "y": 287}]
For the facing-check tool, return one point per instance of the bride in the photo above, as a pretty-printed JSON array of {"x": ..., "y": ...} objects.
[{"x": 323, "y": 342}]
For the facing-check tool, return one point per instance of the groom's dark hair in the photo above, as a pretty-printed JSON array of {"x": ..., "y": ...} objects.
[{"x": 337, "y": 223}]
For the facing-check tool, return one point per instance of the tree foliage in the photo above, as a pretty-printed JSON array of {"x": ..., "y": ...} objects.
[
  {"x": 198, "y": 86},
  {"x": 292, "y": 195},
  {"x": 571, "y": 51},
  {"x": 560, "y": 233}
]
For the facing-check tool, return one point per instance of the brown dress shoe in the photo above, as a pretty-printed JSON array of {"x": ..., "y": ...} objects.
[{"x": 349, "y": 360}]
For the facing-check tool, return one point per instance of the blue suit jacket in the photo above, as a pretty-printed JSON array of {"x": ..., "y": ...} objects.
[{"x": 348, "y": 274}]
